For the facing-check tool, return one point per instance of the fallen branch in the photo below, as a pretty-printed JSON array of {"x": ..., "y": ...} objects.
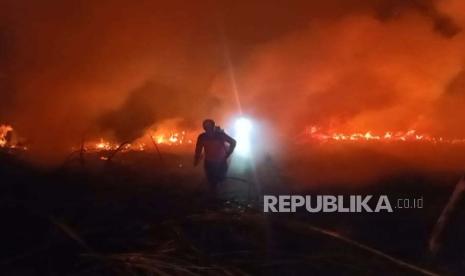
[
  {"x": 118, "y": 149},
  {"x": 157, "y": 149},
  {"x": 293, "y": 225},
  {"x": 443, "y": 220}
]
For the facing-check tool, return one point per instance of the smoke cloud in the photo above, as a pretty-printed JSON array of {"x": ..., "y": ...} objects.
[{"x": 68, "y": 69}]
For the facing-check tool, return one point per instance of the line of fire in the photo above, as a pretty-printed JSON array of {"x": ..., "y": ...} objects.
[{"x": 257, "y": 137}]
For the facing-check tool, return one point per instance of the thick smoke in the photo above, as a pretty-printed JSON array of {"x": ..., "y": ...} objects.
[
  {"x": 73, "y": 69},
  {"x": 442, "y": 23},
  {"x": 360, "y": 71},
  {"x": 149, "y": 104}
]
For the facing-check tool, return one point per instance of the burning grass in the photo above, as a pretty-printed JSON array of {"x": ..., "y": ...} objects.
[
  {"x": 165, "y": 138},
  {"x": 317, "y": 134},
  {"x": 5, "y": 131}
]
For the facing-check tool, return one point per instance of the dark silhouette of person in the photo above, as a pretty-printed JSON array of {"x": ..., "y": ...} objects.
[{"x": 218, "y": 146}]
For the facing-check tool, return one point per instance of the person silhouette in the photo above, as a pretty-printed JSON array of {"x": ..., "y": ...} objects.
[{"x": 218, "y": 147}]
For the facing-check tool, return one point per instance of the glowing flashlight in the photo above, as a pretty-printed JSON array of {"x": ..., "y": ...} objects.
[{"x": 243, "y": 131}]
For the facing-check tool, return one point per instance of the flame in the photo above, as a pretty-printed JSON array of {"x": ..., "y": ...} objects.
[
  {"x": 317, "y": 134},
  {"x": 171, "y": 138},
  {"x": 9, "y": 138},
  {"x": 105, "y": 145},
  {"x": 4, "y": 130}
]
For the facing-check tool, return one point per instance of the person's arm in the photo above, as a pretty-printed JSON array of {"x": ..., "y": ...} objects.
[
  {"x": 198, "y": 150},
  {"x": 232, "y": 144}
]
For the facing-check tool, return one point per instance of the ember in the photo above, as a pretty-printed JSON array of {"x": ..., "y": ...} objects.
[
  {"x": 317, "y": 134},
  {"x": 9, "y": 139},
  {"x": 105, "y": 145},
  {"x": 169, "y": 138},
  {"x": 5, "y": 135},
  {"x": 172, "y": 138}
]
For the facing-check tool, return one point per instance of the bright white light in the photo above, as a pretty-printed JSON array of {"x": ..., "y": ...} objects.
[{"x": 243, "y": 131}]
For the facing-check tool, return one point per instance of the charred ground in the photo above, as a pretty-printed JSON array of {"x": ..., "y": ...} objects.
[{"x": 141, "y": 216}]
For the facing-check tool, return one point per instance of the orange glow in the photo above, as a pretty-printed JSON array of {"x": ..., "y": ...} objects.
[
  {"x": 9, "y": 138},
  {"x": 4, "y": 130},
  {"x": 168, "y": 138},
  {"x": 171, "y": 138},
  {"x": 317, "y": 134},
  {"x": 105, "y": 145}
]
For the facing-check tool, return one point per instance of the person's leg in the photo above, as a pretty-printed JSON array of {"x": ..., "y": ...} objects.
[
  {"x": 222, "y": 170},
  {"x": 211, "y": 174}
]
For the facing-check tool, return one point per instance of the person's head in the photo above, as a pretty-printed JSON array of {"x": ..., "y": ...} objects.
[{"x": 209, "y": 125}]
